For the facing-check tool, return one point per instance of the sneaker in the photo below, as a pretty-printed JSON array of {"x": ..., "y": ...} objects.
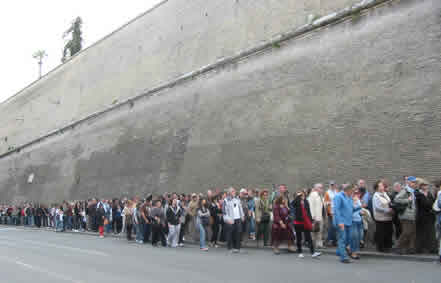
[
  {"x": 204, "y": 249},
  {"x": 301, "y": 256},
  {"x": 235, "y": 251},
  {"x": 316, "y": 254},
  {"x": 346, "y": 260},
  {"x": 276, "y": 251},
  {"x": 216, "y": 246},
  {"x": 101, "y": 237},
  {"x": 181, "y": 245}
]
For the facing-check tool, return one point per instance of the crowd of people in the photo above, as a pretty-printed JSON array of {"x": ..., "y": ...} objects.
[{"x": 404, "y": 218}]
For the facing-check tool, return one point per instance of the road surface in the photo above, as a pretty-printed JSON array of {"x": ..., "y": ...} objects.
[{"x": 40, "y": 256}]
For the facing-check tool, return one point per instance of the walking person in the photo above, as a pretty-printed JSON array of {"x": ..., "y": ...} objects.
[
  {"x": 174, "y": 213},
  {"x": 343, "y": 211},
  {"x": 303, "y": 223},
  {"x": 202, "y": 222},
  {"x": 233, "y": 216}
]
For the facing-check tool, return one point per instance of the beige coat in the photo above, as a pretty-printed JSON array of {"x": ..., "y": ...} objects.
[{"x": 316, "y": 206}]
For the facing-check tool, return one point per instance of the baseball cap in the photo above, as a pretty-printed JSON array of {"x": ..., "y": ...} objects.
[
  {"x": 411, "y": 179},
  {"x": 332, "y": 182},
  {"x": 243, "y": 191}
]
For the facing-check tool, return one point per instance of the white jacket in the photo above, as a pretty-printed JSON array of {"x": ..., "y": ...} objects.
[{"x": 316, "y": 206}]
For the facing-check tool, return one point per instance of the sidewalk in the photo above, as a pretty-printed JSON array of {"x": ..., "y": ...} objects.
[{"x": 253, "y": 245}]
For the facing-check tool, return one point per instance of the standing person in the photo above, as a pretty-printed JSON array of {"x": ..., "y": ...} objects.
[
  {"x": 357, "y": 227},
  {"x": 438, "y": 216},
  {"x": 303, "y": 223},
  {"x": 60, "y": 219},
  {"x": 383, "y": 217},
  {"x": 117, "y": 216},
  {"x": 317, "y": 208},
  {"x": 192, "y": 208},
  {"x": 329, "y": 201},
  {"x": 263, "y": 217},
  {"x": 100, "y": 218},
  {"x": 158, "y": 218},
  {"x": 425, "y": 219},
  {"x": 252, "y": 214},
  {"x": 216, "y": 214},
  {"x": 343, "y": 210},
  {"x": 396, "y": 189},
  {"x": 128, "y": 212},
  {"x": 174, "y": 213},
  {"x": 243, "y": 196},
  {"x": 183, "y": 204},
  {"x": 202, "y": 222},
  {"x": 38, "y": 216},
  {"x": 145, "y": 214},
  {"x": 139, "y": 224},
  {"x": 365, "y": 195},
  {"x": 282, "y": 227},
  {"x": 233, "y": 216},
  {"x": 407, "y": 240}
]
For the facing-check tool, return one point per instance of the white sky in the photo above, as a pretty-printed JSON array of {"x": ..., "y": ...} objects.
[{"x": 27, "y": 26}]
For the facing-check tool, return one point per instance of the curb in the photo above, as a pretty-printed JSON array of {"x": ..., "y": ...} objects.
[{"x": 368, "y": 254}]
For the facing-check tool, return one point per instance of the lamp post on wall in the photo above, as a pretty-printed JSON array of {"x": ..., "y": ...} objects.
[{"x": 39, "y": 55}]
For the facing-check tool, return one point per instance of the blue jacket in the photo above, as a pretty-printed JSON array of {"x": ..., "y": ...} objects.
[{"x": 343, "y": 209}]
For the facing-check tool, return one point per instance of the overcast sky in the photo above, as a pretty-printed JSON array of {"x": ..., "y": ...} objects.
[{"x": 27, "y": 26}]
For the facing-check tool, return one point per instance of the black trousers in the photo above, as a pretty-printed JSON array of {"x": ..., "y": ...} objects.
[
  {"x": 158, "y": 234},
  {"x": 232, "y": 234},
  {"x": 215, "y": 234},
  {"x": 182, "y": 232},
  {"x": 147, "y": 231},
  {"x": 37, "y": 221},
  {"x": 300, "y": 230},
  {"x": 383, "y": 235},
  {"x": 397, "y": 226}
]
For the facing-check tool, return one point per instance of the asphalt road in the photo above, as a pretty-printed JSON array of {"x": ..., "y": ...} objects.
[{"x": 44, "y": 256}]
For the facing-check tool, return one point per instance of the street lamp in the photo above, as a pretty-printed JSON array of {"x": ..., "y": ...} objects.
[{"x": 39, "y": 55}]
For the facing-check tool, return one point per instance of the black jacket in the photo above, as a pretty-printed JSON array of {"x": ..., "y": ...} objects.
[
  {"x": 295, "y": 210},
  {"x": 424, "y": 207},
  {"x": 173, "y": 216}
]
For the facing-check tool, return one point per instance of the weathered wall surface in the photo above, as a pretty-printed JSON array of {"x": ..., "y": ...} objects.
[
  {"x": 360, "y": 98},
  {"x": 175, "y": 38}
]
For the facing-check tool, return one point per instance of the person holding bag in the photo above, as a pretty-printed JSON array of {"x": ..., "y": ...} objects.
[
  {"x": 282, "y": 226},
  {"x": 263, "y": 217},
  {"x": 303, "y": 222}
]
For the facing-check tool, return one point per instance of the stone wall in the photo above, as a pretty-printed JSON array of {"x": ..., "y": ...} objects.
[
  {"x": 175, "y": 38},
  {"x": 360, "y": 98}
]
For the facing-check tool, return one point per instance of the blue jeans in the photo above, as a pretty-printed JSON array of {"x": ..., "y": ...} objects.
[
  {"x": 344, "y": 240},
  {"x": 357, "y": 230},
  {"x": 252, "y": 226},
  {"x": 202, "y": 236},
  {"x": 69, "y": 223},
  {"x": 139, "y": 232},
  {"x": 331, "y": 230},
  {"x": 60, "y": 226}
]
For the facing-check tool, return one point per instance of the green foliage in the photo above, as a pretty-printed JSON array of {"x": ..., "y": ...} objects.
[
  {"x": 276, "y": 45},
  {"x": 74, "y": 45}
]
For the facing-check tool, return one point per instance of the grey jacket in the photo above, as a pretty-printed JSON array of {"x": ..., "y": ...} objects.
[
  {"x": 403, "y": 198},
  {"x": 228, "y": 208}
]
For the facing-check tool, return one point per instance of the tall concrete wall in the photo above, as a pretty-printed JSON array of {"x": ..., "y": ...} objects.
[
  {"x": 359, "y": 98},
  {"x": 175, "y": 38}
]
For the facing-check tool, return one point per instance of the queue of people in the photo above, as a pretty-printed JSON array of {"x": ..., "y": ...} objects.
[{"x": 404, "y": 219}]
